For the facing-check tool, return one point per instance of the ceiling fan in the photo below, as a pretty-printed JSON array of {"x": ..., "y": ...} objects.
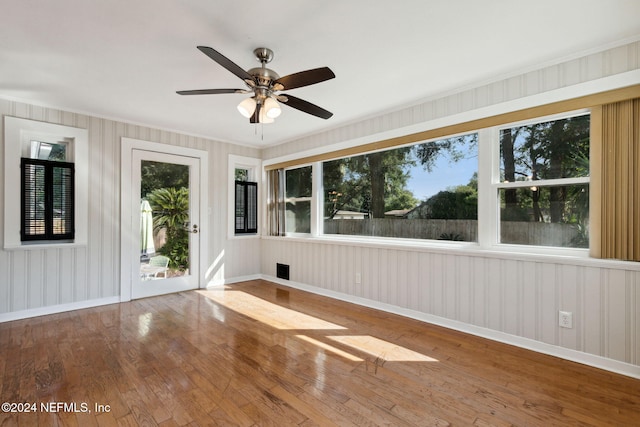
[{"x": 264, "y": 84}]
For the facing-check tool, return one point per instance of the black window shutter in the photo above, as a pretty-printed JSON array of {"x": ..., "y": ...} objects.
[
  {"x": 241, "y": 208},
  {"x": 252, "y": 207},
  {"x": 47, "y": 201},
  {"x": 246, "y": 207}
]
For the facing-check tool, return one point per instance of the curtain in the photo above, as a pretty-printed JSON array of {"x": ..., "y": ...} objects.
[
  {"x": 620, "y": 181},
  {"x": 275, "y": 202}
]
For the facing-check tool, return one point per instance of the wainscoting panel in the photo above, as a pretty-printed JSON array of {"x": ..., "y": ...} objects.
[{"x": 516, "y": 295}]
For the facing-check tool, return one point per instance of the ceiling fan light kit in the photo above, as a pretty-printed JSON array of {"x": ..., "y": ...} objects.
[
  {"x": 264, "y": 83},
  {"x": 272, "y": 108},
  {"x": 247, "y": 107}
]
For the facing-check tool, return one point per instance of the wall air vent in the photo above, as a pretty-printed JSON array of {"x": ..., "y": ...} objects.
[{"x": 282, "y": 271}]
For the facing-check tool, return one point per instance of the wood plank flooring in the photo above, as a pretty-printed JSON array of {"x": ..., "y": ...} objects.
[{"x": 259, "y": 354}]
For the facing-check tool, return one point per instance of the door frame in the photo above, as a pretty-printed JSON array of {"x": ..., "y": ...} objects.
[{"x": 127, "y": 237}]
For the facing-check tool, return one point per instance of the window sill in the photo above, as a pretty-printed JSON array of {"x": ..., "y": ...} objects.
[
  {"x": 578, "y": 257},
  {"x": 40, "y": 246},
  {"x": 244, "y": 236}
]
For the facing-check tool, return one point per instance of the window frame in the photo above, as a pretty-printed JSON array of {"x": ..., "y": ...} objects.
[
  {"x": 17, "y": 133},
  {"x": 497, "y": 185}
]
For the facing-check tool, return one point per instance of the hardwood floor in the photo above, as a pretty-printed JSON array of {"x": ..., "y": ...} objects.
[{"x": 262, "y": 354}]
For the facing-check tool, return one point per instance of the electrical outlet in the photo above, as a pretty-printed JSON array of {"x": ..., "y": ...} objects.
[
  {"x": 358, "y": 278},
  {"x": 565, "y": 319}
]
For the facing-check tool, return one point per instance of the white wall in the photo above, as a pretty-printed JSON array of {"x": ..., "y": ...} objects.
[
  {"x": 499, "y": 295},
  {"x": 40, "y": 281}
]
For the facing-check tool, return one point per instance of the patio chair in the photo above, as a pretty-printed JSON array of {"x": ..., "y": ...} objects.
[{"x": 162, "y": 262}]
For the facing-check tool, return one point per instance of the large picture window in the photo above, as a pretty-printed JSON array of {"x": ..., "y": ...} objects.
[
  {"x": 423, "y": 191},
  {"x": 521, "y": 184}
]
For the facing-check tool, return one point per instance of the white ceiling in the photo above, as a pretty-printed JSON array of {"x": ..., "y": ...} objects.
[{"x": 124, "y": 59}]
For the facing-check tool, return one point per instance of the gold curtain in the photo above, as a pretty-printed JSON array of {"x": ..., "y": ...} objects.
[
  {"x": 619, "y": 180},
  {"x": 275, "y": 202}
]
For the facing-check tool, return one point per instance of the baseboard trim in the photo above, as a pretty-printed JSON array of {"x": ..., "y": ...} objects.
[
  {"x": 595, "y": 361},
  {"x": 54, "y": 309}
]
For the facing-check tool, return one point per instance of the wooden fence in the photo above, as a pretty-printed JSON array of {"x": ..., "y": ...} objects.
[{"x": 529, "y": 233}]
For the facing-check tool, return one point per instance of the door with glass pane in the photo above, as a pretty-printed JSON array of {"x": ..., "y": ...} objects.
[{"x": 165, "y": 192}]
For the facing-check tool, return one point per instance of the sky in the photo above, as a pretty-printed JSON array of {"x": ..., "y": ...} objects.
[{"x": 444, "y": 174}]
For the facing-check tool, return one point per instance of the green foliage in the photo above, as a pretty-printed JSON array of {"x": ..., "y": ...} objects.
[
  {"x": 402, "y": 199},
  {"x": 298, "y": 182},
  {"x": 372, "y": 183},
  {"x": 170, "y": 208},
  {"x": 427, "y": 153},
  {"x": 377, "y": 182},
  {"x": 157, "y": 175},
  {"x": 177, "y": 249},
  {"x": 458, "y": 203},
  {"x": 241, "y": 175}
]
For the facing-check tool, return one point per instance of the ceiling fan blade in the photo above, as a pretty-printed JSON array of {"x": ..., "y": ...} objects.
[
  {"x": 306, "y": 107},
  {"x": 304, "y": 78},
  {"x": 209, "y": 91},
  {"x": 225, "y": 62}
]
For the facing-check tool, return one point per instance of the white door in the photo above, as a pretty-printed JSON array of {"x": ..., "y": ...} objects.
[{"x": 165, "y": 191}]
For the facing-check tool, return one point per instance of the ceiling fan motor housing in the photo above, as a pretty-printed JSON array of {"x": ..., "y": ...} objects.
[{"x": 263, "y": 76}]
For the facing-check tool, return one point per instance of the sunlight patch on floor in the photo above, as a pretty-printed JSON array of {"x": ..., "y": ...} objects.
[
  {"x": 287, "y": 319},
  {"x": 381, "y": 349},
  {"x": 144, "y": 324},
  {"x": 264, "y": 311},
  {"x": 330, "y": 348}
]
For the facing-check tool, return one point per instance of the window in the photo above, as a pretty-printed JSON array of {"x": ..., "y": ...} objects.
[
  {"x": 522, "y": 184},
  {"x": 544, "y": 183},
  {"x": 46, "y": 184},
  {"x": 246, "y": 207},
  {"x": 47, "y": 200},
  {"x": 298, "y": 200},
  {"x": 243, "y": 175},
  {"x": 423, "y": 191},
  {"x": 525, "y": 184}
]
